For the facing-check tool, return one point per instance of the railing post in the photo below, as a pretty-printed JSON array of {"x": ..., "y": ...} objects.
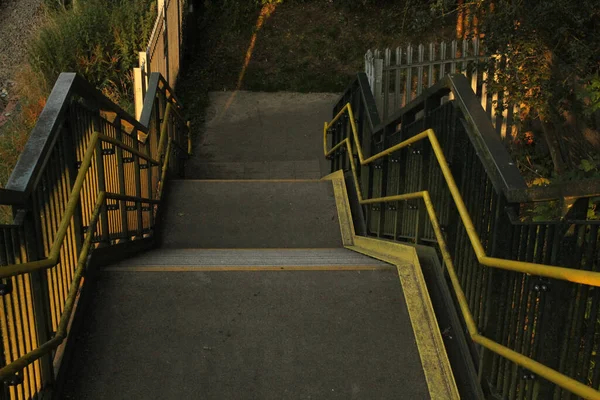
[
  {"x": 105, "y": 236},
  {"x": 121, "y": 172},
  {"x": 40, "y": 295},
  {"x": 426, "y": 155},
  {"x": 138, "y": 190},
  {"x": 559, "y": 305},
  {"x": 495, "y": 302}
]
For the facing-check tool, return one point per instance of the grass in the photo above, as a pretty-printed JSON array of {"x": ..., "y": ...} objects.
[
  {"x": 304, "y": 46},
  {"x": 99, "y": 41}
]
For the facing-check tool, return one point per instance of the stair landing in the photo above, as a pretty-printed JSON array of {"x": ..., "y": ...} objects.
[{"x": 261, "y": 335}]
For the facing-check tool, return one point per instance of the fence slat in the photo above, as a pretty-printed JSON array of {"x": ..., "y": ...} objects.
[
  {"x": 397, "y": 96},
  {"x": 385, "y": 76},
  {"x": 453, "y": 50},
  {"x": 386, "y": 82},
  {"x": 408, "y": 86},
  {"x": 421, "y": 55},
  {"x": 430, "y": 80}
]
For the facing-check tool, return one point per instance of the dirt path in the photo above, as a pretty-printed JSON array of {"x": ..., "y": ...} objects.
[{"x": 18, "y": 20}]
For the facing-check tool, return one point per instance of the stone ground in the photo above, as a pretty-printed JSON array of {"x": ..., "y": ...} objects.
[{"x": 18, "y": 20}]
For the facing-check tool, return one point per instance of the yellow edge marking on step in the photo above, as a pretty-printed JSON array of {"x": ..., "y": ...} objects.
[
  {"x": 434, "y": 359},
  {"x": 252, "y": 248},
  {"x": 192, "y": 268},
  {"x": 342, "y": 204},
  {"x": 251, "y": 180}
]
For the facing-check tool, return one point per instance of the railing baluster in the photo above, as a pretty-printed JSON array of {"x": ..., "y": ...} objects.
[
  {"x": 122, "y": 190},
  {"x": 138, "y": 189},
  {"x": 105, "y": 233}
]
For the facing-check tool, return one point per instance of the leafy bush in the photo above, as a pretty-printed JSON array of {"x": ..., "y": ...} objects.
[{"x": 98, "y": 39}]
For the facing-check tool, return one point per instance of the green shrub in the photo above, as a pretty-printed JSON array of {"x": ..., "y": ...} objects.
[{"x": 97, "y": 39}]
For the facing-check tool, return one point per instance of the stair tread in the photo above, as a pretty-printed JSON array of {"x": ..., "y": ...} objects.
[
  {"x": 260, "y": 335},
  {"x": 250, "y": 257},
  {"x": 250, "y": 214},
  {"x": 301, "y": 169}
]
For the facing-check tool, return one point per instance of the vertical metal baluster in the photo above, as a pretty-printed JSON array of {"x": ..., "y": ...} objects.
[
  {"x": 138, "y": 189},
  {"x": 150, "y": 186},
  {"x": 105, "y": 235},
  {"x": 121, "y": 172}
]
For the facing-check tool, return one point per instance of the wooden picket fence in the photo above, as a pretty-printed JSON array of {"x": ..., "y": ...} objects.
[
  {"x": 398, "y": 76},
  {"x": 163, "y": 53}
]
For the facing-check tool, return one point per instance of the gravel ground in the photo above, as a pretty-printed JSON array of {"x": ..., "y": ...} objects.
[{"x": 18, "y": 20}]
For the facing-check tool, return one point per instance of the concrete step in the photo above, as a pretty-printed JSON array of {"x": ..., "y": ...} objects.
[
  {"x": 246, "y": 127},
  {"x": 250, "y": 214},
  {"x": 303, "y": 169},
  {"x": 246, "y": 335},
  {"x": 280, "y": 258}
]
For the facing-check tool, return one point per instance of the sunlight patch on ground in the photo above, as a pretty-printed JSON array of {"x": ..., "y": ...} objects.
[{"x": 266, "y": 11}]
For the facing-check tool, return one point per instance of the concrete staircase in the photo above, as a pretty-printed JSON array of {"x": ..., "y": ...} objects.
[{"x": 251, "y": 294}]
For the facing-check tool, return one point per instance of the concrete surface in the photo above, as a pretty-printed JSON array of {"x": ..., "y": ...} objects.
[
  {"x": 253, "y": 127},
  {"x": 251, "y": 214},
  {"x": 309, "y": 169},
  {"x": 249, "y": 257},
  {"x": 247, "y": 335}
]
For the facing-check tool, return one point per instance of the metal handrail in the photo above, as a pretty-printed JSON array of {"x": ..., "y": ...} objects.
[
  {"x": 54, "y": 254},
  {"x": 503, "y": 173},
  {"x": 22, "y": 362},
  {"x": 550, "y": 271}
]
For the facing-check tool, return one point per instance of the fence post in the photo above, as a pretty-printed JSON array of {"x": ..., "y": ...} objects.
[
  {"x": 397, "y": 91},
  {"x": 166, "y": 39},
  {"x": 143, "y": 59},
  {"x": 138, "y": 92},
  {"x": 408, "y": 83},
  {"x": 369, "y": 68}
]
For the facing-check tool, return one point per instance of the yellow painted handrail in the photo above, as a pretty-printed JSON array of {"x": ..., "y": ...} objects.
[
  {"x": 54, "y": 254},
  {"x": 53, "y": 257},
  {"x": 61, "y": 333},
  {"x": 163, "y": 131},
  {"x": 550, "y": 271}
]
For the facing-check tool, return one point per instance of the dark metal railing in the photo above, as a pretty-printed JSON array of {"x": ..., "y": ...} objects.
[
  {"x": 554, "y": 322},
  {"x": 90, "y": 177}
]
